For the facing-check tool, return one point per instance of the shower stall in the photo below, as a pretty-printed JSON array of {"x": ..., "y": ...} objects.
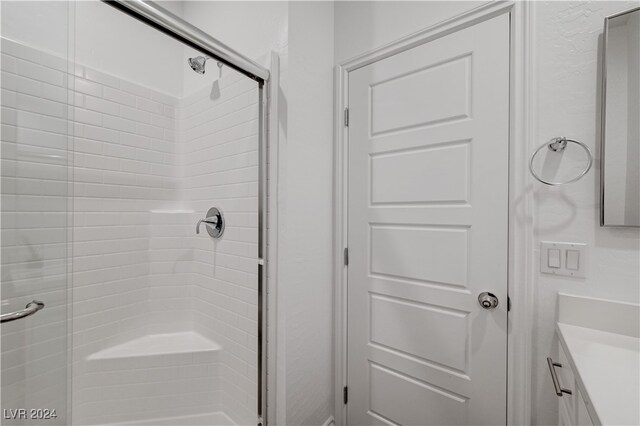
[{"x": 117, "y": 306}]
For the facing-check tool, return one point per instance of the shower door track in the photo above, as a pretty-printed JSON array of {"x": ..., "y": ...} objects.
[{"x": 162, "y": 20}]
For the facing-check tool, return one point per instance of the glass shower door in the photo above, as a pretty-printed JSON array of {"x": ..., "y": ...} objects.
[{"x": 34, "y": 212}]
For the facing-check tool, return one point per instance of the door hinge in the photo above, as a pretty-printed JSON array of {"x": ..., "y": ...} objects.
[
  {"x": 346, "y": 117},
  {"x": 345, "y": 394},
  {"x": 345, "y": 255},
  {"x": 508, "y": 304}
]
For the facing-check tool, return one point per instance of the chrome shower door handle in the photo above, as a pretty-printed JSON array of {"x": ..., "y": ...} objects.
[{"x": 31, "y": 308}]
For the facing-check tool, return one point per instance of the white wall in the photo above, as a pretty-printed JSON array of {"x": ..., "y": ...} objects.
[
  {"x": 364, "y": 25},
  {"x": 567, "y": 63},
  {"x": 304, "y": 214}
]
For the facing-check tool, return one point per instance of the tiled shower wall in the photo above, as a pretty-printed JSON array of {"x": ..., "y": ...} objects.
[
  {"x": 218, "y": 140},
  {"x": 124, "y": 170},
  {"x": 144, "y": 168}
]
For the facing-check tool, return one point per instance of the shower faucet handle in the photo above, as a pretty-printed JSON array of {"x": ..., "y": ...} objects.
[
  {"x": 214, "y": 223},
  {"x": 208, "y": 220}
]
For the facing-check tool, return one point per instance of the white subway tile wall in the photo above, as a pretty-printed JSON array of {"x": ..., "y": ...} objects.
[
  {"x": 218, "y": 137},
  {"x": 142, "y": 168}
]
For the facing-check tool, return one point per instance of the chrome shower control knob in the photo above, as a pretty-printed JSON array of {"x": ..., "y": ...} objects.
[
  {"x": 487, "y": 300},
  {"x": 214, "y": 222}
]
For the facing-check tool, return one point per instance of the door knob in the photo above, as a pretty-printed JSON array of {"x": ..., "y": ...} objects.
[{"x": 487, "y": 300}]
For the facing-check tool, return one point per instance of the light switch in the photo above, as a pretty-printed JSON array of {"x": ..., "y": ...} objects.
[
  {"x": 559, "y": 258},
  {"x": 573, "y": 260},
  {"x": 553, "y": 259}
]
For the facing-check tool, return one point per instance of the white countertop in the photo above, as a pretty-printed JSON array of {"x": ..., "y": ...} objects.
[{"x": 607, "y": 368}]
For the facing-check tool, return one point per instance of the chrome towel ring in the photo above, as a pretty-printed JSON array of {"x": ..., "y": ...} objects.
[{"x": 558, "y": 144}]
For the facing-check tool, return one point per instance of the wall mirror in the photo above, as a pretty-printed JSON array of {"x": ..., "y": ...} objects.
[{"x": 620, "y": 167}]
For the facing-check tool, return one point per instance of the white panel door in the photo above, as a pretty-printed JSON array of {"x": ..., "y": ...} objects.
[{"x": 427, "y": 232}]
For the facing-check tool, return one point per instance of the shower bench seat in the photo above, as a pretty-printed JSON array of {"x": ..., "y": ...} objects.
[
  {"x": 153, "y": 379},
  {"x": 151, "y": 345}
]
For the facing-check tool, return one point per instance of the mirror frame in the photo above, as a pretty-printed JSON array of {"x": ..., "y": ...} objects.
[{"x": 603, "y": 115}]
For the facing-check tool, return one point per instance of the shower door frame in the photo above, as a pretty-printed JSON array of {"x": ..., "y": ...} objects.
[{"x": 162, "y": 20}]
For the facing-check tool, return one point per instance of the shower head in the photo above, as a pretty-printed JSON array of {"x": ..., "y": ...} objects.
[{"x": 197, "y": 64}]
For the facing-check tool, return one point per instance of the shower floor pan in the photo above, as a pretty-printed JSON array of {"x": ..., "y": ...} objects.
[{"x": 159, "y": 379}]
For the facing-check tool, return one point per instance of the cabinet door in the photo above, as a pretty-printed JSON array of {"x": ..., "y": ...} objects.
[
  {"x": 563, "y": 416},
  {"x": 582, "y": 415},
  {"x": 567, "y": 380}
]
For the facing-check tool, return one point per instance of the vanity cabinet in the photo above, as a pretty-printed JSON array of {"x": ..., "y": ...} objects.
[
  {"x": 596, "y": 371},
  {"x": 572, "y": 408}
]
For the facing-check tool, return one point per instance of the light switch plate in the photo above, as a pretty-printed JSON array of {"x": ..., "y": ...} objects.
[{"x": 574, "y": 250}]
